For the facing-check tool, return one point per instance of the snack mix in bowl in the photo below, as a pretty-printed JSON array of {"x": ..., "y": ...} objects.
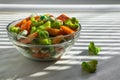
[{"x": 44, "y": 37}]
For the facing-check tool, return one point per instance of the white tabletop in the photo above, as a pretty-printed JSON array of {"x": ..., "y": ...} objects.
[{"x": 99, "y": 25}]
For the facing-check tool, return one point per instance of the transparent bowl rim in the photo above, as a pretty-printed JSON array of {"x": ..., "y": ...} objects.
[{"x": 76, "y": 32}]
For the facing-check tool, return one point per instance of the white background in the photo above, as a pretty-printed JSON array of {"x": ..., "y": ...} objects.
[{"x": 59, "y": 1}]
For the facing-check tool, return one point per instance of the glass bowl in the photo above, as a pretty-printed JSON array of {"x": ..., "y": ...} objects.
[{"x": 44, "y": 52}]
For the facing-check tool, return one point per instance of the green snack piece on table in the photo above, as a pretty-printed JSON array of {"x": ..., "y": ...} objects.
[
  {"x": 73, "y": 23},
  {"x": 92, "y": 49},
  {"x": 89, "y": 66}
]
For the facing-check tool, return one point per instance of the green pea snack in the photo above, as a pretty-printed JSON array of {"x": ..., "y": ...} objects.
[
  {"x": 92, "y": 49},
  {"x": 90, "y": 66}
]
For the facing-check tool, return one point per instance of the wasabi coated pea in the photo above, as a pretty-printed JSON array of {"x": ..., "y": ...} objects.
[
  {"x": 33, "y": 29},
  {"x": 14, "y": 29},
  {"x": 32, "y": 18},
  {"x": 43, "y": 34},
  {"x": 93, "y": 49},
  {"x": 44, "y": 17},
  {"x": 56, "y": 24},
  {"x": 72, "y": 23},
  {"x": 45, "y": 41},
  {"x": 90, "y": 66},
  {"x": 45, "y": 25}
]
